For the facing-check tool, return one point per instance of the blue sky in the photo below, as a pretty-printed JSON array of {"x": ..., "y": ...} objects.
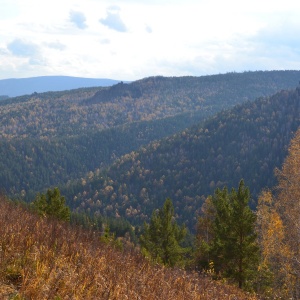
[{"x": 131, "y": 39}]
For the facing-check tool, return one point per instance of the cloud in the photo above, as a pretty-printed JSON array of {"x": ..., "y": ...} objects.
[
  {"x": 26, "y": 50},
  {"x": 274, "y": 46},
  {"x": 113, "y": 20},
  {"x": 279, "y": 35},
  {"x": 105, "y": 41},
  {"x": 56, "y": 46},
  {"x": 78, "y": 18},
  {"x": 22, "y": 48},
  {"x": 3, "y": 51},
  {"x": 114, "y": 8},
  {"x": 148, "y": 29}
]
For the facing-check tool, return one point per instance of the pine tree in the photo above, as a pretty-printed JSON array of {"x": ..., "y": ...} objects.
[
  {"x": 162, "y": 237},
  {"x": 52, "y": 204},
  {"x": 232, "y": 247},
  {"x": 243, "y": 242}
]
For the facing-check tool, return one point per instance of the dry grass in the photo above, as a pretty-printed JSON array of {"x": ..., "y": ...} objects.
[{"x": 45, "y": 259}]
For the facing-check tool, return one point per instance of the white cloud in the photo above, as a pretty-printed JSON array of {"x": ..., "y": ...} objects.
[
  {"x": 148, "y": 29},
  {"x": 284, "y": 34},
  {"x": 78, "y": 18},
  {"x": 56, "y": 45},
  {"x": 172, "y": 38},
  {"x": 23, "y": 48},
  {"x": 113, "y": 19}
]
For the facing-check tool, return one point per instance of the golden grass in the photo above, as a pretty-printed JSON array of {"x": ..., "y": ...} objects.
[{"x": 46, "y": 259}]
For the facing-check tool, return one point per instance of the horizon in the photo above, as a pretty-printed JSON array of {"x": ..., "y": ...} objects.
[
  {"x": 158, "y": 75},
  {"x": 14, "y": 87}
]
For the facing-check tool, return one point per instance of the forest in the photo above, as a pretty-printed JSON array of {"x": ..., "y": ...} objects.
[
  {"x": 165, "y": 167},
  {"x": 248, "y": 141},
  {"x": 48, "y": 139}
]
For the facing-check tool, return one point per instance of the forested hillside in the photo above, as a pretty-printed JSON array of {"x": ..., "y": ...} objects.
[
  {"x": 73, "y": 112},
  {"x": 247, "y": 142},
  {"x": 48, "y": 139}
]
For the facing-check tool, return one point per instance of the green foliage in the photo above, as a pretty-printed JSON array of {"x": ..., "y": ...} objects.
[
  {"x": 162, "y": 237},
  {"x": 52, "y": 204},
  {"x": 118, "y": 227},
  {"x": 232, "y": 247}
]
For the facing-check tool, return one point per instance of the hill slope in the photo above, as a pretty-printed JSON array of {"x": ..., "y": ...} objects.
[
  {"x": 45, "y": 259},
  {"x": 247, "y": 142}
]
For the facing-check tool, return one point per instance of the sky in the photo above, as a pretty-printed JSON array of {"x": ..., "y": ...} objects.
[{"x": 134, "y": 39}]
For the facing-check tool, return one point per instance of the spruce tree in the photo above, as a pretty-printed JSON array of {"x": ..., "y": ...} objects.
[{"x": 162, "y": 237}]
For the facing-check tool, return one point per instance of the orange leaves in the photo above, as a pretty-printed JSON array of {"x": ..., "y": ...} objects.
[
  {"x": 271, "y": 228},
  {"x": 279, "y": 224}
]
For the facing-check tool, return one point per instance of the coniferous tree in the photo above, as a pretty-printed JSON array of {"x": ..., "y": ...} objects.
[
  {"x": 232, "y": 247},
  {"x": 243, "y": 237},
  {"x": 52, "y": 204},
  {"x": 162, "y": 237}
]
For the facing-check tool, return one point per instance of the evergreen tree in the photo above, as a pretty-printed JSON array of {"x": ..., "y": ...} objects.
[
  {"x": 232, "y": 247},
  {"x": 162, "y": 237},
  {"x": 244, "y": 248},
  {"x": 52, "y": 204}
]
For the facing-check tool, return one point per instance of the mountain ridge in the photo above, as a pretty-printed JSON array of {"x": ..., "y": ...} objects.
[{"x": 13, "y": 87}]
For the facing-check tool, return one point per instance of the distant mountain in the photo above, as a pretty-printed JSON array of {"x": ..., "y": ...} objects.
[
  {"x": 246, "y": 142},
  {"x": 25, "y": 86}
]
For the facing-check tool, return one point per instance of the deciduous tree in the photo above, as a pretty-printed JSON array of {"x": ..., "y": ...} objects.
[{"x": 279, "y": 225}]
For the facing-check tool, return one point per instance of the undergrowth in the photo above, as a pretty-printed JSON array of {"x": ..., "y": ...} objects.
[{"x": 43, "y": 258}]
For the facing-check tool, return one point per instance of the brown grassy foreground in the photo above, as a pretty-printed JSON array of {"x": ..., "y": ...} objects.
[{"x": 45, "y": 259}]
